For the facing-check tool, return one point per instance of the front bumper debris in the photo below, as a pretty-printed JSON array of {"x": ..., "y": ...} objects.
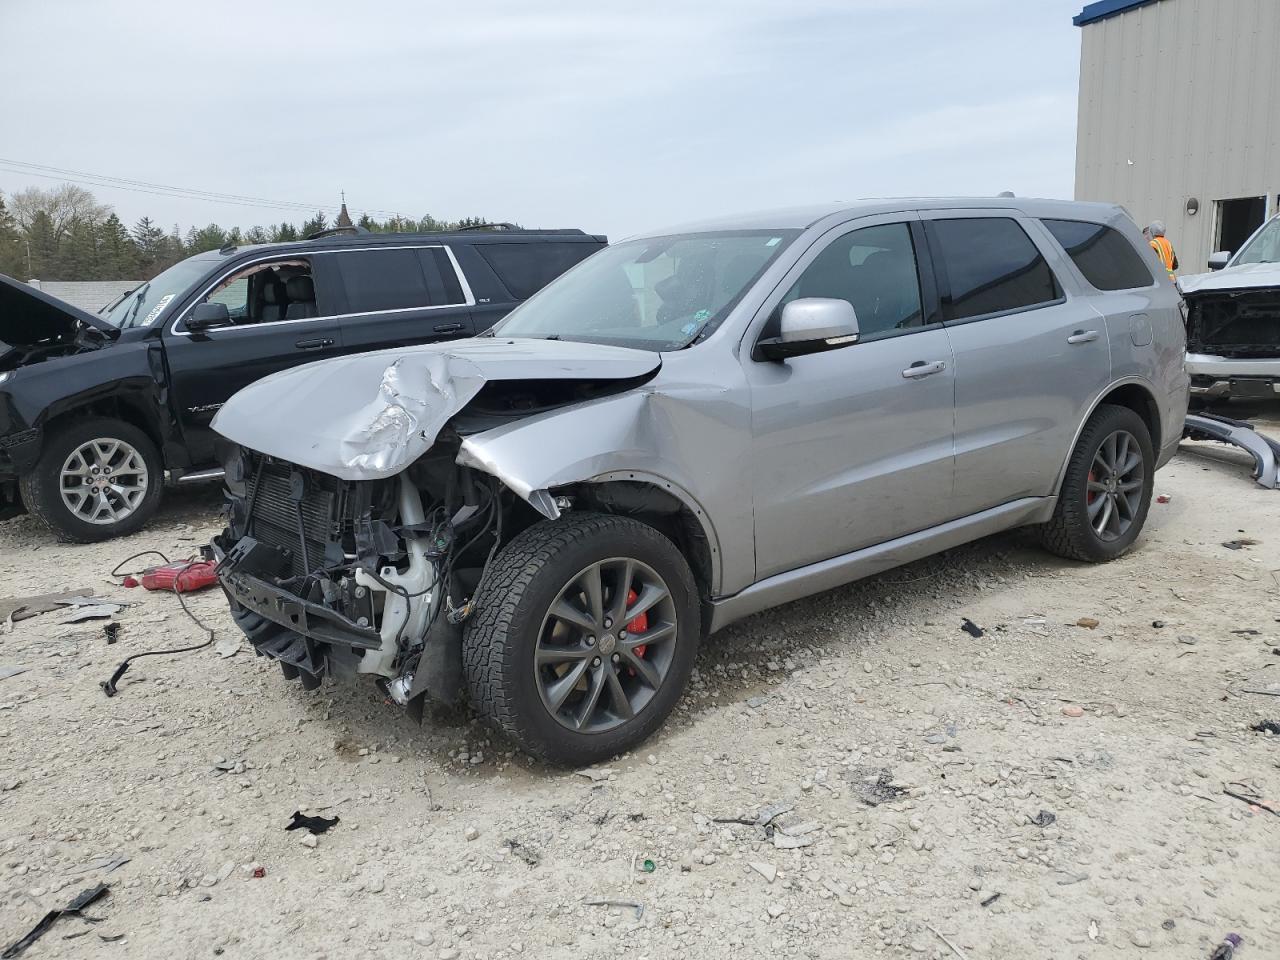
[
  {"x": 1264, "y": 450},
  {"x": 1214, "y": 377}
]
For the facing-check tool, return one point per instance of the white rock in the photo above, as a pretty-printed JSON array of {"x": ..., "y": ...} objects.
[
  {"x": 308, "y": 840},
  {"x": 471, "y": 833},
  {"x": 766, "y": 870}
]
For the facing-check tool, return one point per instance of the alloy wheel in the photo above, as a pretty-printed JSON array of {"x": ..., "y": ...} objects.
[
  {"x": 605, "y": 645},
  {"x": 1114, "y": 491},
  {"x": 103, "y": 481}
]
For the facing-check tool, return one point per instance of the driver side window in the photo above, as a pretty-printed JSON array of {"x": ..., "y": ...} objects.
[
  {"x": 874, "y": 269},
  {"x": 268, "y": 292}
]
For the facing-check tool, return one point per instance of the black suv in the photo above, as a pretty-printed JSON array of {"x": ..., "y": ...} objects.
[{"x": 95, "y": 409}]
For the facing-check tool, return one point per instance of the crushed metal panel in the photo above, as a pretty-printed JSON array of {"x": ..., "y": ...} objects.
[
  {"x": 1264, "y": 450},
  {"x": 369, "y": 416}
]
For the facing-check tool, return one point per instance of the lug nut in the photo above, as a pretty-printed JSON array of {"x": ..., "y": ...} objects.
[
  {"x": 622, "y": 634},
  {"x": 595, "y": 662},
  {"x": 607, "y": 623},
  {"x": 615, "y": 658},
  {"x": 591, "y": 641}
]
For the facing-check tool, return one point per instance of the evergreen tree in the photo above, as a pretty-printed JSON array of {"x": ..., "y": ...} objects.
[
  {"x": 314, "y": 225},
  {"x": 212, "y": 237},
  {"x": 117, "y": 250},
  {"x": 43, "y": 246},
  {"x": 151, "y": 244},
  {"x": 13, "y": 246}
]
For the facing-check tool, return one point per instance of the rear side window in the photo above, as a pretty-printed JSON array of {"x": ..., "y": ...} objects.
[
  {"x": 1104, "y": 256},
  {"x": 993, "y": 267},
  {"x": 389, "y": 279},
  {"x": 525, "y": 268}
]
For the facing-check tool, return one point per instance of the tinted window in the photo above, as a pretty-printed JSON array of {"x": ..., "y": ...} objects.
[
  {"x": 383, "y": 280},
  {"x": 1107, "y": 259},
  {"x": 875, "y": 270},
  {"x": 993, "y": 266},
  {"x": 448, "y": 276},
  {"x": 525, "y": 268}
]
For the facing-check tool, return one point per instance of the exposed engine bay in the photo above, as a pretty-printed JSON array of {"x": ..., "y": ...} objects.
[
  {"x": 1234, "y": 323},
  {"x": 13, "y": 356}
]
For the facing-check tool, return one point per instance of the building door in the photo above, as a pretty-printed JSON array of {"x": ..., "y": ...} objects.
[{"x": 1237, "y": 220}]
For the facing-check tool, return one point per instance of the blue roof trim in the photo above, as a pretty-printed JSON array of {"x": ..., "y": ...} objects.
[{"x": 1103, "y": 9}]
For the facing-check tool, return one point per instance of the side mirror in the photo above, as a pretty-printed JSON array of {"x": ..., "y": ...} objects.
[
  {"x": 811, "y": 325},
  {"x": 207, "y": 316},
  {"x": 1219, "y": 260}
]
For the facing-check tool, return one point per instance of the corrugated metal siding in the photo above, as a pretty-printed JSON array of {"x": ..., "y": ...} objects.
[{"x": 1181, "y": 99}]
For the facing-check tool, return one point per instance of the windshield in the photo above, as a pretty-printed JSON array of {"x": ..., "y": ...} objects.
[
  {"x": 143, "y": 305},
  {"x": 655, "y": 294},
  {"x": 1264, "y": 247}
]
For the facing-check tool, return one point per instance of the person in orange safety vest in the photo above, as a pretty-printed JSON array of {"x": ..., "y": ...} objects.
[{"x": 1161, "y": 245}]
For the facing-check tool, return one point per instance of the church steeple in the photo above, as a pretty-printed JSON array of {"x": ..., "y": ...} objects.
[{"x": 344, "y": 218}]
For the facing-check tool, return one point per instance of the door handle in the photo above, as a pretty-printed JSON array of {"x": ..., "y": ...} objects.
[
  {"x": 924, "y": 368},
  {"x": 1083, "y": 336},
  {"x": 313, "y": 343},
  {"x": 447, "y": 327}
]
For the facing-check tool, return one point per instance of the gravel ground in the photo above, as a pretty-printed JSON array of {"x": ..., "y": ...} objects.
[{"x": 1044, "y": 790}]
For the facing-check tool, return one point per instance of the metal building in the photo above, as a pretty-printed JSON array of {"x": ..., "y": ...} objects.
[{"x": 1180, "y": 116}]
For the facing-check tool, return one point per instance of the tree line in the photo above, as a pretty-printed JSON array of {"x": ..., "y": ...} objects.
[{"x": 64, "y": 233}]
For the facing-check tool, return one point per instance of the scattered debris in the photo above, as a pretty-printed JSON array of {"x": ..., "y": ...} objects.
[
  {"x": 111, "y": 937},
  {"x": 971, "y": 628},
  {"x": 1245, "y": 633},
  {"x": 631, "y": 904},
  {"x": 1073, "y": 710},
  {"x": 112, "y": 632},
  {"x": 1260, "y": 693},
  {"x": 874, "y": 786},
  {"x": 991, "y": 899},
  {"x": 784, "y": 842},
  {"x": 309, "y": 840},
  {"x": 104, "y": 864},
  {"x": 1044, "y": 819},
  {"x": 8, "y": 670},
  {"x": 596, "y": 774},
  {"x": 954, "y": 949},
  {"x": 841, "y": 893},
  {"x": 259, "y": 872},
  {"x": 1088, "y": 623},
  {"x": 648, "y": 866},
  {"x": 1241, "y": 543},
  {"x": 1158, "y": 624},
  {"x": 311, "y": 824},
  {"x": 1253, "y": 801},
  {"x": 1164, "y": 498},
  {"x": 1266, "y": 726},
  {"x": 1265, "y": 451},
  {"x": 83, "y": 899},
  {"x": 471, "y": 833},
  {"x": 525, "y": 852},
  {"x": 766, "y": 870},
  {"x": 89, "y": 608},
  {"x": 228, "y": 646},
  {"x": 1227, "y": 948}
]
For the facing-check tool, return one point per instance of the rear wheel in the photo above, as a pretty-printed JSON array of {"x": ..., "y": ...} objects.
[
  {"x": 584, "y": 636},
  {"x": 1106, "y": 493},
  {"x": 95, "y": 479}
]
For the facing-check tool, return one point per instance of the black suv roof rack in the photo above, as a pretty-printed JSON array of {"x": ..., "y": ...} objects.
[{"x": 354, "y": 230}]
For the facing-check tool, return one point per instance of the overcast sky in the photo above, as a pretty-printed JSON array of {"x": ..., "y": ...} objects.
[{"x": 613, "y": 117}]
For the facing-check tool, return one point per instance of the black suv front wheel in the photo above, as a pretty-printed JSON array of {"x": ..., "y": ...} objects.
[
  {"x": 95, "y": 479},
  {"x": 584, "y": 635}
]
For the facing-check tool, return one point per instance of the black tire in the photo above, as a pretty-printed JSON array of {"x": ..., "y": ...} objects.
[
  {"x": 41, "y": 489},
  {"x": 516, "y": 595},
  {"x": 1069, "y": 533}
]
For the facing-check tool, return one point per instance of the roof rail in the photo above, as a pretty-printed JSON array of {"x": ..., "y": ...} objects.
[
  {"x": 354, "y": 229},
  {"x": 499, "y": 225}
]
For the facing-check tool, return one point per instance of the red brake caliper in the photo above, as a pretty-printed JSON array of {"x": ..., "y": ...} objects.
[
  {"x": 639, "y": 625},
  {"x": 1091, "y": 495}
]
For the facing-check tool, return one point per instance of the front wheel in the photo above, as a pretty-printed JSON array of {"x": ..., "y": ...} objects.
[
  {"x": 584, "y": 635},
  {"x": 1106, "y": 493},
  {"x": 95, "y": 479}
]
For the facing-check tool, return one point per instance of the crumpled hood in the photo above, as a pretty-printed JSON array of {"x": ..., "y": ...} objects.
[
  {"x": 368, "y": 416},
  {"x": 1247, "y": 276},
  {"x": 29, "y": 316}
]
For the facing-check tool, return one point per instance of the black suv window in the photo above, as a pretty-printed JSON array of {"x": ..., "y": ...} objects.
[
  {"x": 993, "y": 267},
  {"x": 1107, "y": 259},
  {"x": 390, "y": 279},
  {"x": 875, "y": 270},
  {"x": 525, "y": 268}
]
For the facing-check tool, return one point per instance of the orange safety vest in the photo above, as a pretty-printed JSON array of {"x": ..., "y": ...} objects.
[{"x": 1164, "y": 250}]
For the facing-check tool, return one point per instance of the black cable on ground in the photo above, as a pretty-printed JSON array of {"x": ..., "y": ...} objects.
[{"x": 109, "y": 686}]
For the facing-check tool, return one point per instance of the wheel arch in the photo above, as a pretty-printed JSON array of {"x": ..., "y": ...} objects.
[
  {"x": 125, "y": 406},
  {"x": 1133, "y": 393}
]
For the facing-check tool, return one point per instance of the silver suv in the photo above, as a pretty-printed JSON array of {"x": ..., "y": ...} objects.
[{"x": 689, "y": 427}]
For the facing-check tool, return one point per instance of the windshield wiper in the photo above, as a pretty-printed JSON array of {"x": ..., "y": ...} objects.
[
  {"x": 142, "y": 293},
  {"x": 116, "y": 302}
]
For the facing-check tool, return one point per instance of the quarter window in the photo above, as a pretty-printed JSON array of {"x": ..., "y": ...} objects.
[
  {"x": 874, "y": 269},
  {"x": 525, "y": 268},
  {"x": 1107, "y": 259},
  {"x": 993, "y": 267},
  {"x": 390, "y": 279}
]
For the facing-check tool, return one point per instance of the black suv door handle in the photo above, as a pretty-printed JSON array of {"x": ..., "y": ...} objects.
[
  {"x": 447, "y": 327},
  {"x": 313, "y": 343}
]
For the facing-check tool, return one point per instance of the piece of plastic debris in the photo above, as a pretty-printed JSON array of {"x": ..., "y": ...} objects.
[
  {"x": 1241, "y": 543},
  {"x": 185, "y": 576},
  {"x": 1163, "y": 498},
  {"x": 93, "y": 611},
  {"x": 596, "y": 774},
  {"x": 312, "y": 824},
  {"x": 1044, "y": 818},
  {"x": 1158, "y": 624},
  {"x": 992, "y": 899},
  {"x": 83, "y": 899},
  {"x": 1089, "y": 623},
  {"x": 1267, "y": 726},
  {"x": 130, "y": 581},
  {"x": 971, "y": 628},
  {"x": 648, "y": 866},
  {"x": 8, "y": 670},
  {"x": 112, "y": 632},
  {"x": 259, "y": 872},
  {"x": 637, "y": 907},
  {"x": 100, "y": 864},
  {"x": 766, "y": 870},
  {"x": 111, "y": 937},
  {"x": 525, "y": 852},
  {"x": 1227, "y": 948},
  {"x": 1073, "y": 710}
]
